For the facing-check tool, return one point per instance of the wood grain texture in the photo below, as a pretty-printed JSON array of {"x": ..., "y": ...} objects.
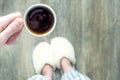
[{"x": 92, "y": 26}]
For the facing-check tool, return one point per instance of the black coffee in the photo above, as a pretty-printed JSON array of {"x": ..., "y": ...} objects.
[{"x": 40, "y": 20}]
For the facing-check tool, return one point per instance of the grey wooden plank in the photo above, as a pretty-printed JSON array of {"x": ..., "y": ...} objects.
[{"x": 98, "y": 39}]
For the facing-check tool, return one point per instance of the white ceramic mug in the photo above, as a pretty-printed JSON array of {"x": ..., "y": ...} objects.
[{"x": 27, "y": 12}]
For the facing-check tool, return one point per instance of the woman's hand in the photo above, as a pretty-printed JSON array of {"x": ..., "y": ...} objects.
[{"x": 10, "y": 27}]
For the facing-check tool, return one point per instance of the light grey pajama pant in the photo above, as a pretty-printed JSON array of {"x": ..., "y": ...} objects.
[{"x": 71, "y": 75}]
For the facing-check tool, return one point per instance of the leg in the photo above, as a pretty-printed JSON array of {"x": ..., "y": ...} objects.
[
  {"x": 47, "y": 71},
  {"x": 66, "y": 65},
  {"x": 69, "y": 72}
]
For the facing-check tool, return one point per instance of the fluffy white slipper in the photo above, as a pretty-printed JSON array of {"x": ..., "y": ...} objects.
[
  {"x": 42, "y": 55},
  {"x": 62, "y": 48}
]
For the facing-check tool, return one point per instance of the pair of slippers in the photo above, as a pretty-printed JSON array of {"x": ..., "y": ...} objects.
[{"x": 52, "y": 53}]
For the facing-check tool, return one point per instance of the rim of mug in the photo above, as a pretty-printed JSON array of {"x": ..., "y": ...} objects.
[{"x": 32, "y": 7}]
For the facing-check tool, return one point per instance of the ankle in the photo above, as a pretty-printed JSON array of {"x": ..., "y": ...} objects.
[
  {"x": 66, "y": 65},
  {"x": 47, "y": 71}
]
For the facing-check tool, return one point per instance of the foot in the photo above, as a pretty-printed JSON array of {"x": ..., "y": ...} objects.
[
  {"x": 42, "y": 55},
  {"x": 62, "y": 48}
]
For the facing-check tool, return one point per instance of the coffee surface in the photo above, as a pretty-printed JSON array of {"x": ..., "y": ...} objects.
[{"x": 40, "y": 20}]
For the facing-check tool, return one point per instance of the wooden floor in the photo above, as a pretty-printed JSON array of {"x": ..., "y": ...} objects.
[{"x": 92, "y": 26}]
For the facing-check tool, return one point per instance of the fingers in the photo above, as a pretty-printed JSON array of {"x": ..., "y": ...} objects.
[
  {"x": 6, "y": 20},
  {"x": 12, "y": 38},
  {"x": 13, "y": 29}
]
